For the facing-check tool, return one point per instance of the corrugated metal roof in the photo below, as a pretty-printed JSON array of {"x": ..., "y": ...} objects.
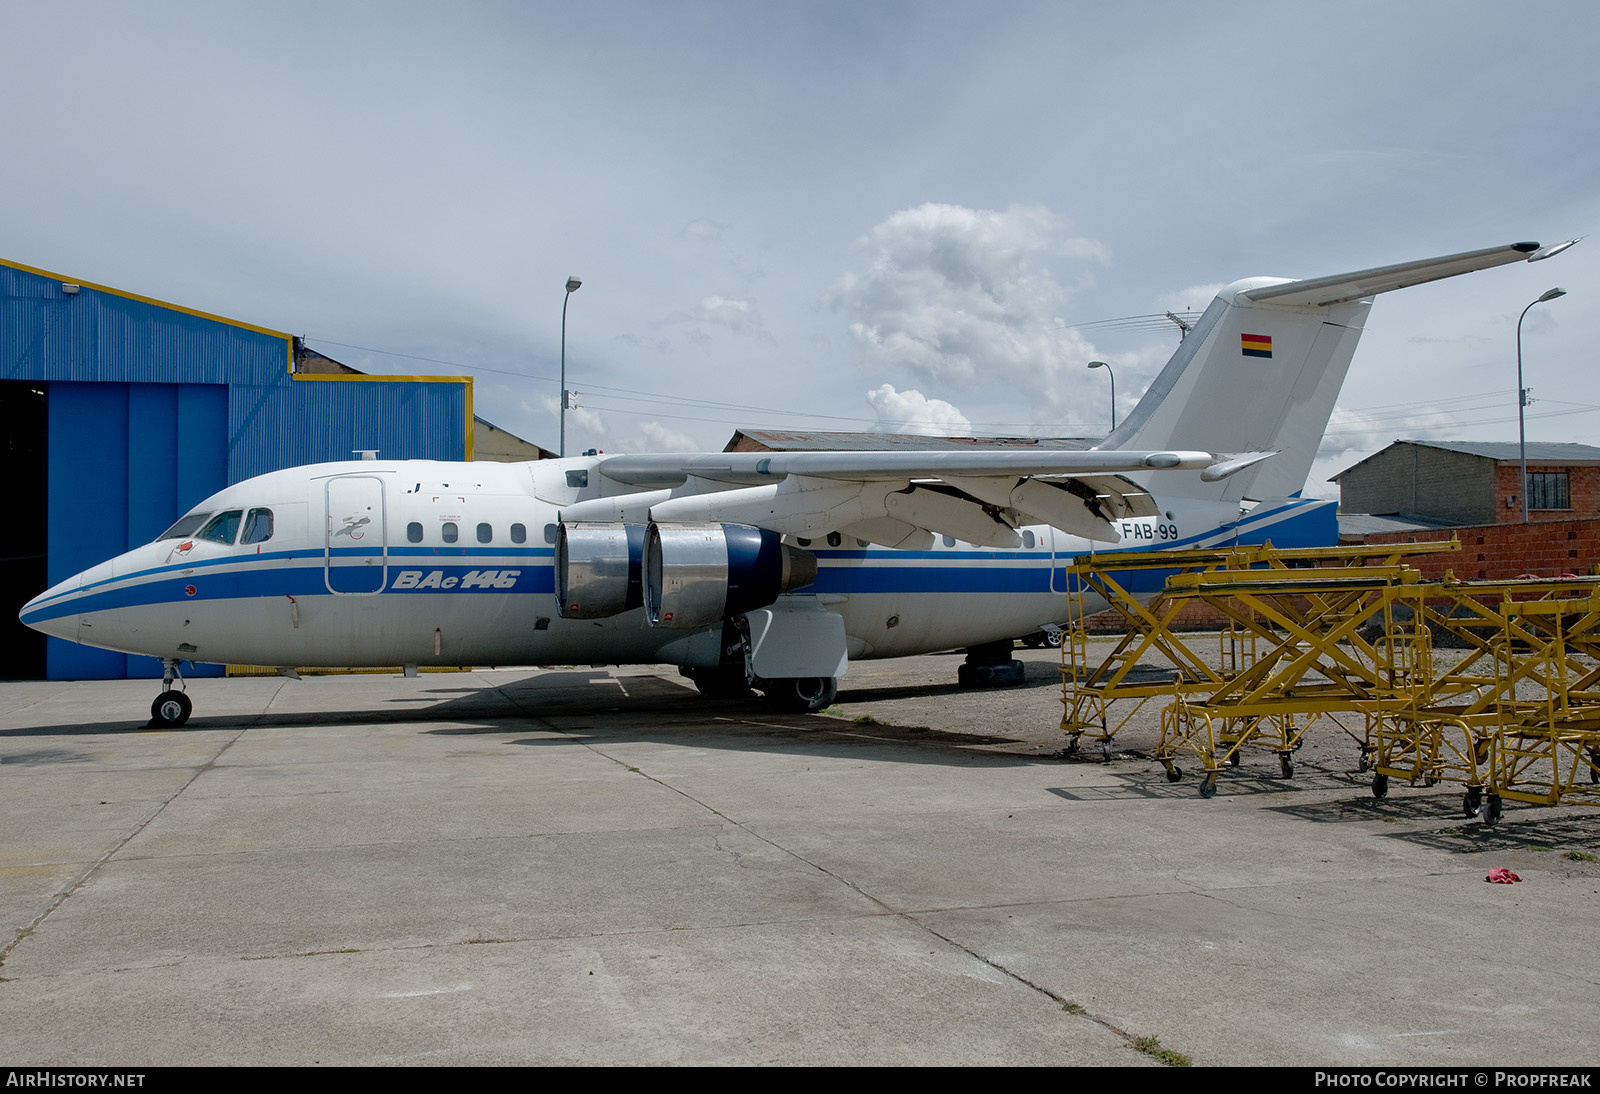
[
  {"x": 55, "y": 328},
  {"x": 1543, "y": 451},
  {"x": 1499, "y": 451},
  {"x": 1365, "y": 524}
]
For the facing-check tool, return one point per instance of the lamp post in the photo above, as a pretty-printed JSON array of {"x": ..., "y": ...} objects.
[
  {"x": 1522, "y": 400},
  {"x": 572, "y": 286},
  {"x": 1113, "y": 375}
]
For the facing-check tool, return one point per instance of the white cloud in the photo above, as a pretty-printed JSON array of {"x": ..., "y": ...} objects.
[
  {"x": 1194, "y": 298},
  {"x": 912, "y": 412},
  {"x": 956, "y": 296},
  {"x": 654, "y": 437},
  {"x": 703, "y": 230},
  {"x": 739, "y": 316}
]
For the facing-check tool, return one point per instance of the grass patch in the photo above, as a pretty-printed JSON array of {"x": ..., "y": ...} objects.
[
  {"x": 1582, "y": 856},
  {"x": 1151, "y": 1047},
  {"x": 1073, "y": 1008},
  {"x": 1540, "y": 847}
]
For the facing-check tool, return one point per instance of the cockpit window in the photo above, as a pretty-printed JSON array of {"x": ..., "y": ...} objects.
[
  {"x": 257, "y": 527},
  {"x": 184, "y": 528},
  {"x": 222, "y": 528}
]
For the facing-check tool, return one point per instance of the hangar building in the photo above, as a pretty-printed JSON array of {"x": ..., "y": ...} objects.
[{"x": 119, "y": 412}]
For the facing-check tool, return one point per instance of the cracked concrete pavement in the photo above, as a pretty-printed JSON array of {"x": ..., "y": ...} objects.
[{"x": 592, "y": 866}]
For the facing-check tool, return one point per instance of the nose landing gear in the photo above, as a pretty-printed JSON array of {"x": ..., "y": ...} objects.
[{"x": 171, "y": 708}]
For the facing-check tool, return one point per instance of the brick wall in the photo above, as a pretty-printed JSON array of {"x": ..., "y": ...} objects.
[
  {"x": 1583, "y": 486},
  {"x": 1549, "y": 547}
]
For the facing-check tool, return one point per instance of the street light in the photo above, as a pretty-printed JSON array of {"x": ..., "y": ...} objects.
[
  {"x": 1522, "y": 399},
  {"x": 572, "y": 286},
  {"x": 1113, "y": 375}
]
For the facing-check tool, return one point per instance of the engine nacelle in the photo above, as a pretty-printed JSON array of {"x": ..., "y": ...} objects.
[
  {"x": 698, "y": 574},
  {"x": 598, "y": 569}
]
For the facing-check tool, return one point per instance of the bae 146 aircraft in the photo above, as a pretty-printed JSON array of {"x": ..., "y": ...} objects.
[{"x": 765, "y": 570}]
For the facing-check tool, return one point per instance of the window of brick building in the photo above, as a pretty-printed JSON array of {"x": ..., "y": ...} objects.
[{"x": 1548, "y": 490}]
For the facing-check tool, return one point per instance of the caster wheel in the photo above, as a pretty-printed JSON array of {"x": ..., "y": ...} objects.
[
  {"x": 1174, "y": 773},
  {"x": 1286, "y": 765},
  {"x": 1471, "y": 801},
  {"x": 170, "y": 710},
  {"x": 1491, "y": 810},
  {"x": 1380, "y": 786},
  {"x": 1208, "y": 785}
]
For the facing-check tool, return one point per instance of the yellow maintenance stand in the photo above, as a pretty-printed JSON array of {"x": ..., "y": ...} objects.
[
  {"x": 1495, "y": 685},
  {"x": 1312, "y": 587}
]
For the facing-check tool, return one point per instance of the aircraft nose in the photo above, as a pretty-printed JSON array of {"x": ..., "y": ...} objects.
[{"x": 53, "y": 611}]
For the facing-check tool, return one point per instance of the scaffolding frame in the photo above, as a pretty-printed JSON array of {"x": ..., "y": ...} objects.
[{"x": 1348, "y": 634}]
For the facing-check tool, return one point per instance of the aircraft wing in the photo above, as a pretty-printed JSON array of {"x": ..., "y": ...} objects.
[{"x": 898, "y": 498}]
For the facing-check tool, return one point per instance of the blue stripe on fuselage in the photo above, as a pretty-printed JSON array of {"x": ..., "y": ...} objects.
[{"x": 972, "y": 571}]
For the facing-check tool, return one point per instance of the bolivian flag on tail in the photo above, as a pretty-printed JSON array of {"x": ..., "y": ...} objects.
[{"x": 1256, "y": 345}]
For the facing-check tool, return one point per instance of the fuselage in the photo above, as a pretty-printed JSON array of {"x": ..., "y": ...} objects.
[{"x": 430, "y": 563}]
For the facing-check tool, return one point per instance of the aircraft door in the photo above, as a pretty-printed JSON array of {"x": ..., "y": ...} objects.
[
  {"x": 1059, "y": 582},
  {"x": 357, "y": 556}
]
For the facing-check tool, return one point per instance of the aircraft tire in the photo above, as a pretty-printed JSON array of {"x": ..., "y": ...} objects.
[
  {"x": 726, "y": 682},
  {"x": 170, "y": 710},
  {"x": 1008, "y": 674},
  {"x": 802, "y": 694}
]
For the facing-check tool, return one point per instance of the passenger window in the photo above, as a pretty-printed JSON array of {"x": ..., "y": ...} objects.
[
  {"x": 519, "y": 533},
  {"x": 834, "y": 539},
  {"x": 485, "y": 533},
  {"x": 222, "y": 528},
  {"x": 550, "y": 533},
  {"x": 949, "y": 541},
  {"x": 257, "y": 526},
  {"x": 414, "y": 532},
  {"x": 448, "y": 531},
  {"x": 185, "y": 527},
  {"x": 1027, "y": 540}
]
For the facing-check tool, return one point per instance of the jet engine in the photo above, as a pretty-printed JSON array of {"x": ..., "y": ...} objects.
[
  {"x": 697, "y": 574},
  {"x": 598, "y": 569}
]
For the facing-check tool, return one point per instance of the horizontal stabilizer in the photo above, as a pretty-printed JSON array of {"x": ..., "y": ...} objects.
[{"x": 1353, "y": 286}]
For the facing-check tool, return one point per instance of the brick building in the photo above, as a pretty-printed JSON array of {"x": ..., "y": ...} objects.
[
  {"x": 1472, "y": 483},
  {"x": 1425, "y": 491}
]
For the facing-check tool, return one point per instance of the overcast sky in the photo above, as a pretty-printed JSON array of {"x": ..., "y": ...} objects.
[{"x": 824, "y": 215}]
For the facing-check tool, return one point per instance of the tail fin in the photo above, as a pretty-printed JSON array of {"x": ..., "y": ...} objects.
[{"x": 1262, "y": 368}]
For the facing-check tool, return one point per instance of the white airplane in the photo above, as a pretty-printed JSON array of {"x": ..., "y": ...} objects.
[{"x": 745, "y": 569}]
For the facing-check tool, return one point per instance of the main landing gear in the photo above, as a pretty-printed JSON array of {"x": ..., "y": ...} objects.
[
  {"x": 171, "y": 708},
  {"x": 802, "y": 694},
  {"x": 990, "y": 666}
]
